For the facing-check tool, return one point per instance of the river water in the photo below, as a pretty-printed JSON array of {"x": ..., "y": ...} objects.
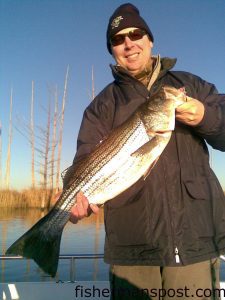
[{"x": 86, "y": 237}]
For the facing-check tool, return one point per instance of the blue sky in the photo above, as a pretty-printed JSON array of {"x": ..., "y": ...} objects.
[{"x": 40, "y": 38}]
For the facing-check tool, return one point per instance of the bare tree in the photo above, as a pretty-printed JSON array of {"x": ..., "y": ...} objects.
[
  {"x": 92, "y": 93},
  {"x": 8, "y": 161},
  {"x": 0, "y": 154},
  {"x": 32, "y": 137},
  {"x": 46, "y": 138},
  {"x": 92, "y": 83},
  {"x": 47, "y": 148},
  {"x": 54, "y": 141},
  {"x": 42, "y": 145},
  {"x": 61, "y": 128}
]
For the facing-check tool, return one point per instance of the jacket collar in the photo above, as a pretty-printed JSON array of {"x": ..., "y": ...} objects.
[{"x": 121, "y": 75}]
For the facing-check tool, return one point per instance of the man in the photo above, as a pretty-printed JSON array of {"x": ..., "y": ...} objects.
[{"x": 164, "y": 234}]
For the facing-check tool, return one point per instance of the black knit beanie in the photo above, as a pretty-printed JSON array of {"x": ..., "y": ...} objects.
[{"x": 126, "y": 15}]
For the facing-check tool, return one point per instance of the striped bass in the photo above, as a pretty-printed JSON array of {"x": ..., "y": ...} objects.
[{"x": 126, "y": 155}]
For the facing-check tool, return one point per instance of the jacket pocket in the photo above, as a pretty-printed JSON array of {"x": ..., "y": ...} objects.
[
  {"x": 127, "y": 225},
  {"x": 198, "y": 202},
  {"x": 197, "y": 188}
]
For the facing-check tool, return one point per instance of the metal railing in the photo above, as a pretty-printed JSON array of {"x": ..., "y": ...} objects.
[{"x": 71, "y": 257}]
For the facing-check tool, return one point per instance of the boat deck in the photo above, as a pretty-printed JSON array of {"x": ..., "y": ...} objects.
[
  {"x": 66, "y": 290},
  {"x": 80, "y": 290},
  {"x": 57, "y": 291}
]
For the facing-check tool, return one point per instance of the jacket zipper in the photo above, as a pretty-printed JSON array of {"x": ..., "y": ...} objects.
[
  {"x": 177, "y": 256},
  {"x": 176, "y": 251}
]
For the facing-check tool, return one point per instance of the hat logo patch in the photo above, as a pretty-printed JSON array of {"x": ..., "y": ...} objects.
[{"x": 116, "y": 22}]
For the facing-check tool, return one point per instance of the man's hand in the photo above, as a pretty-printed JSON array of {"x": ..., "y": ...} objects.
[
  {"x": 191, "y": 112},
  {"x": 82, "y": 208}
]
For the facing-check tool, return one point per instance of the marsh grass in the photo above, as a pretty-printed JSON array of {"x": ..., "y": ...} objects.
[{"x": 30, "y": 198}]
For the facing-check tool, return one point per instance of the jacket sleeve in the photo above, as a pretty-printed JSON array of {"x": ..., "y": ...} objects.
[
  {"x": 92, "y": 130},
  {"x": 212, "y": 126},
  {"x": 97, "y": 122},
  {"x": 95, "y": 126}
]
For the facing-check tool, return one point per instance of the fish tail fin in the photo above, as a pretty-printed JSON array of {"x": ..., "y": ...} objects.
[{"x": 41, "y": 243}]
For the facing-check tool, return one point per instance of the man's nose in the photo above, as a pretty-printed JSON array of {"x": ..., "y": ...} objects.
[{"x": 127, "y": 42}]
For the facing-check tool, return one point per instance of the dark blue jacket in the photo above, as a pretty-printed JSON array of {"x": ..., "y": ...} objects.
[{"x": 180, "y": 208}]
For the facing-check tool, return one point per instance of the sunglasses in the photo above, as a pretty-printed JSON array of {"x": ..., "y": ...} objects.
[{"x": 133, "y": 35}]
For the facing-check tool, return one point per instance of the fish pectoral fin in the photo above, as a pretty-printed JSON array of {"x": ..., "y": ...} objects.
[
  {"x": 145, "y": 175},
  {"x": 144, "y": 149},
  {"x": 150, "y": 133}
]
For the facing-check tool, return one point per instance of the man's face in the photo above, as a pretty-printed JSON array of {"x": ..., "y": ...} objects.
[{"x": 133, "y": 55}]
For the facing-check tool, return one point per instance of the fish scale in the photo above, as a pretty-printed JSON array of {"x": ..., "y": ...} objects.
[
  {"x": 114, "y": 160},
  {"x": 126, "y": 155}
]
